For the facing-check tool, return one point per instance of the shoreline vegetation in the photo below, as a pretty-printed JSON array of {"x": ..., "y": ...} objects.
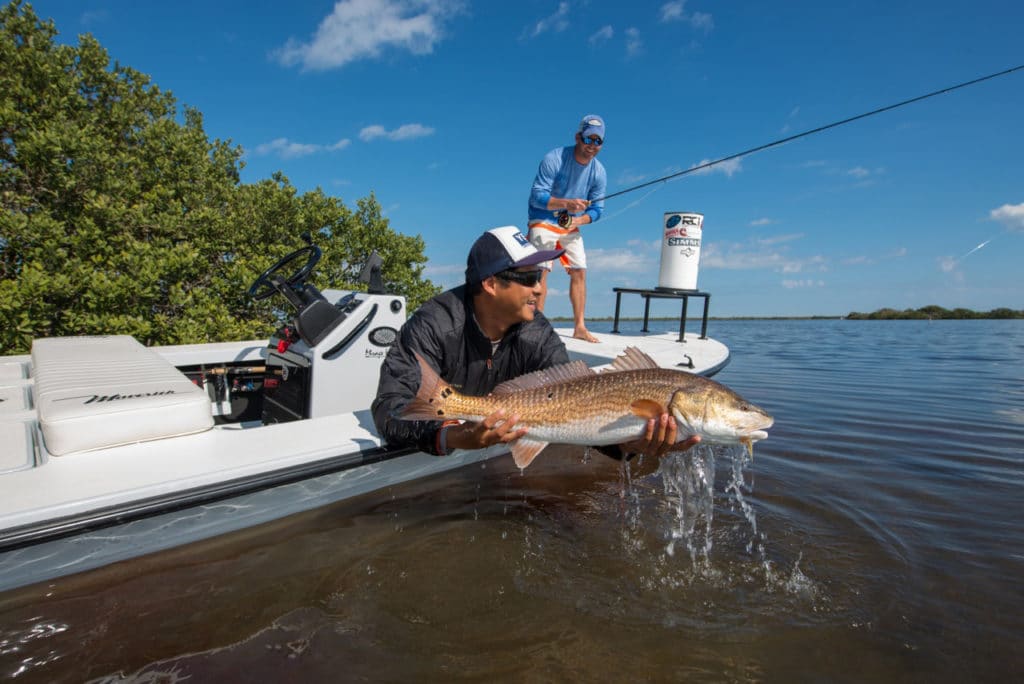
[{"x": 931, "y": 313}]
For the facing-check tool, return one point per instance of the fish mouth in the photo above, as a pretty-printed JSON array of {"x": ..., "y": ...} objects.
[{"x": 756, "y": 435}]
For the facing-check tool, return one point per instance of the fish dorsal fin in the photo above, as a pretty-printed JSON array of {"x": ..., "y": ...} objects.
[
  {"x": 541, "y": 378},
  {"x": 632, "y": 359},
  {"x": 524, "y": 450}
]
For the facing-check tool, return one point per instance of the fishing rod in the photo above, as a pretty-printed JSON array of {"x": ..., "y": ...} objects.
[{"x": 819, "y": 129}]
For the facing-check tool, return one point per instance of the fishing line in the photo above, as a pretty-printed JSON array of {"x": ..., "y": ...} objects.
[
  {"x": 819, "y": 129},
  {"x": 629, "y": 206}
]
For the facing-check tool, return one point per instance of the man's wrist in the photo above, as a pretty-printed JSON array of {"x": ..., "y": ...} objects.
[{"x": 441, "y": 438}]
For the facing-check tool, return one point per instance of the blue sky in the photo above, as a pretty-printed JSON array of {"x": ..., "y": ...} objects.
[{"x": 444, "y": 109}]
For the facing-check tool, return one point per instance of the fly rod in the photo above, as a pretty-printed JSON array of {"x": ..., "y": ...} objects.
[{"x": 819, "y": 129}]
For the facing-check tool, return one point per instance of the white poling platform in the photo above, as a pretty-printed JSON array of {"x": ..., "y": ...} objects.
[{"x": 98, "y": 392}]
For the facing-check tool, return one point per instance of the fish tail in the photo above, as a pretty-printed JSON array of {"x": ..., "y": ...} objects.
[{"x": 431, "y": 398}]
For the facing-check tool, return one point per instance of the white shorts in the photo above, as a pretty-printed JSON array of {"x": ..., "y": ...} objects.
[{"x": 547, "y": 236}]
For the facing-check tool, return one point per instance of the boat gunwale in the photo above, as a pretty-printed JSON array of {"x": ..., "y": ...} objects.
[{"x": 31, "y": 534}]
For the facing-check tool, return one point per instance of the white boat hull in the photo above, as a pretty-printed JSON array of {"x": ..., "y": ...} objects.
[{"x": 70, "y": 513}]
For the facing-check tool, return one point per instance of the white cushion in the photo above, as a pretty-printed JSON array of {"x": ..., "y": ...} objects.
[{"x": 97, "y": 392}]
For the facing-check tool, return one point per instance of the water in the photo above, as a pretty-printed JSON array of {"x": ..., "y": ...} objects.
[{"x": 876, "y": 536}]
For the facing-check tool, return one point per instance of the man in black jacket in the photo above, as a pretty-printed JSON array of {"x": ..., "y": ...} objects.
[{"x": 477, "y": 336}]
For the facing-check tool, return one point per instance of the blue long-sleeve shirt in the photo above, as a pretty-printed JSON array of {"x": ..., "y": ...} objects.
[{"x": 560, "y": 175}]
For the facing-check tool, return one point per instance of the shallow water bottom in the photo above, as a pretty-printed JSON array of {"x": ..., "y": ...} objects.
[{"x": 576, "y": 569}]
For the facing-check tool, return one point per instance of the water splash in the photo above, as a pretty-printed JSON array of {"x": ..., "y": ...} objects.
[
  {"x": 689, "y": 482},
  {"x": 688, "y": 491}
]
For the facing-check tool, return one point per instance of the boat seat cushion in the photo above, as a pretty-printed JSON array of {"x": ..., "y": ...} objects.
[{"x": 98, "y": 392}]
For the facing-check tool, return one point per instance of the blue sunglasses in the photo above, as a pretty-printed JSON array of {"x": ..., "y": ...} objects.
[{"x": 592, "y": 140}]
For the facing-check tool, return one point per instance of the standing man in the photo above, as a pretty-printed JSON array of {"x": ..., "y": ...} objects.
[
  {"x": 477, "y": 336},
  {"x": 562, "y": 199}
]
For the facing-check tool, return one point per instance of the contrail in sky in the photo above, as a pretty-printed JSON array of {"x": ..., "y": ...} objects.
[{"x": 969, "y": 253}]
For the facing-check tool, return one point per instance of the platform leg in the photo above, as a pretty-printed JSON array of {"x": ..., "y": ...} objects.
[
  {"x": 647, "y": 311},
  {"x": 618, "y": 301},
  {"x": 704, "y": 320},
  {"x": 682, "y": 320}
]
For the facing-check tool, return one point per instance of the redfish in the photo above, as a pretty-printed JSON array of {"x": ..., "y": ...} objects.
[{"x": 573, "y": 404}]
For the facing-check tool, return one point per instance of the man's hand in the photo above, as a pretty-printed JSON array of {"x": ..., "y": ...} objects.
[
  {"x": 573, "y": 206},
  {"x": 493, "y": 429},
  {"x": 659, "y": 439}
]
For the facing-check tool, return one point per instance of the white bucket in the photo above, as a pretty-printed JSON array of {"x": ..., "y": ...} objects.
[{"x": 680, "y": 251}]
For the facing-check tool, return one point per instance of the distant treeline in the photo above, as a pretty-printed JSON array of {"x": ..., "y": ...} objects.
[{"x": 934, "y": 312}]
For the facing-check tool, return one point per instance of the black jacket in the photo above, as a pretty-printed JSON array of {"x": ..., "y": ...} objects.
[{"x": 444, "y": 332}]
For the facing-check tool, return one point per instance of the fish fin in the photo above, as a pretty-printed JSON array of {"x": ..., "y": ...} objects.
[
  {"x": 632, "y": 359},
  {"x": 525, "y": 450},
  {"x": 750, "y": 446},
  {"x": 547, "y": 376},
  {"x": 429, "y": 402},
  {"x": 646, "y": 408}
]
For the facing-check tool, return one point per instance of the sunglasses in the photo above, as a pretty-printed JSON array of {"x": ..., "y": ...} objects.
[
  {"x": 524, "y": 278},
  {"x": 592, "y": 140}
]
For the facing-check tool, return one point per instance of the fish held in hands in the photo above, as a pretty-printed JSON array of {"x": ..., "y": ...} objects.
[{"x": 573, "y": 404}]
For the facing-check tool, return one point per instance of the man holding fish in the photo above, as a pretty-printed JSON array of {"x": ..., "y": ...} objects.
[{"x": 476, "y": 337}]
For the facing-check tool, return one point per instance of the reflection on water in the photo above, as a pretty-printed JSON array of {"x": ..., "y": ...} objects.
[{"x": 875, "y": 536}]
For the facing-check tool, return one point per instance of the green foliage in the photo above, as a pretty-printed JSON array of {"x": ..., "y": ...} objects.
[
  {"x": 933, "y": 312},
  {"x": 117, "y": 216}
]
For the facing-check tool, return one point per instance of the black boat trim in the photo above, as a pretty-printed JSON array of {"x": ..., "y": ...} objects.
[{"x": 336, "y": 350}]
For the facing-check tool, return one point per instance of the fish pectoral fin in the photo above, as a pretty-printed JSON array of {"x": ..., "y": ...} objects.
[
  {"x": 646, "y": 408},
  {"x": 525, "y": 450},
  {"x": 750, "y": 446}
]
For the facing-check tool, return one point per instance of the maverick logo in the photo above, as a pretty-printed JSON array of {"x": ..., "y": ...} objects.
[{"x": 100, "y": 398}]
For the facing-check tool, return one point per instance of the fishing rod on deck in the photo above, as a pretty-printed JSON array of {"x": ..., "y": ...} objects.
[{"x": 819, "y": 129}]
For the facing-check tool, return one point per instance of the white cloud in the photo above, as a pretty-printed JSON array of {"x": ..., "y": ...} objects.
[
  {"x": 753, "y": 256},
  {"x": 630, "y": 178},
  {"x": 90, "y": 18},
  {"x": 779, "y": 239},
  {"x": 1010, "y": 215},
  {"x": 673, "y": 11},
  {"x": 633, "y": 43},
  {"x": 702, "y": 20},
  {"x": 371, "y": 132},
  {"x": 362, "y": 29},
  {"x": 859, "y": 172},
  {"x": 727, "y": 167},
  {"x": 793, "y": 284},
  {"x": 623, "y": 260},
  {"x": 676, "y": 11},
  {"x": 601, "y": 35},
  {"x": 403, "y": 132},
  {"x": 864, "y": 260},
  {"x": 287, "y": 149},
  {"x": 283, "y": 147},
  {"x": 557, "y": 22},
  {"x": 761, "y": 222}
]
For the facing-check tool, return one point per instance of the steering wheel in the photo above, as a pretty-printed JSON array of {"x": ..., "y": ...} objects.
[{"x": 263, "y": 288}]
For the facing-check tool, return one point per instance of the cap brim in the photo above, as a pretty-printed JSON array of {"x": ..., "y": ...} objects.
[{"x": 539, "y": 257}]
